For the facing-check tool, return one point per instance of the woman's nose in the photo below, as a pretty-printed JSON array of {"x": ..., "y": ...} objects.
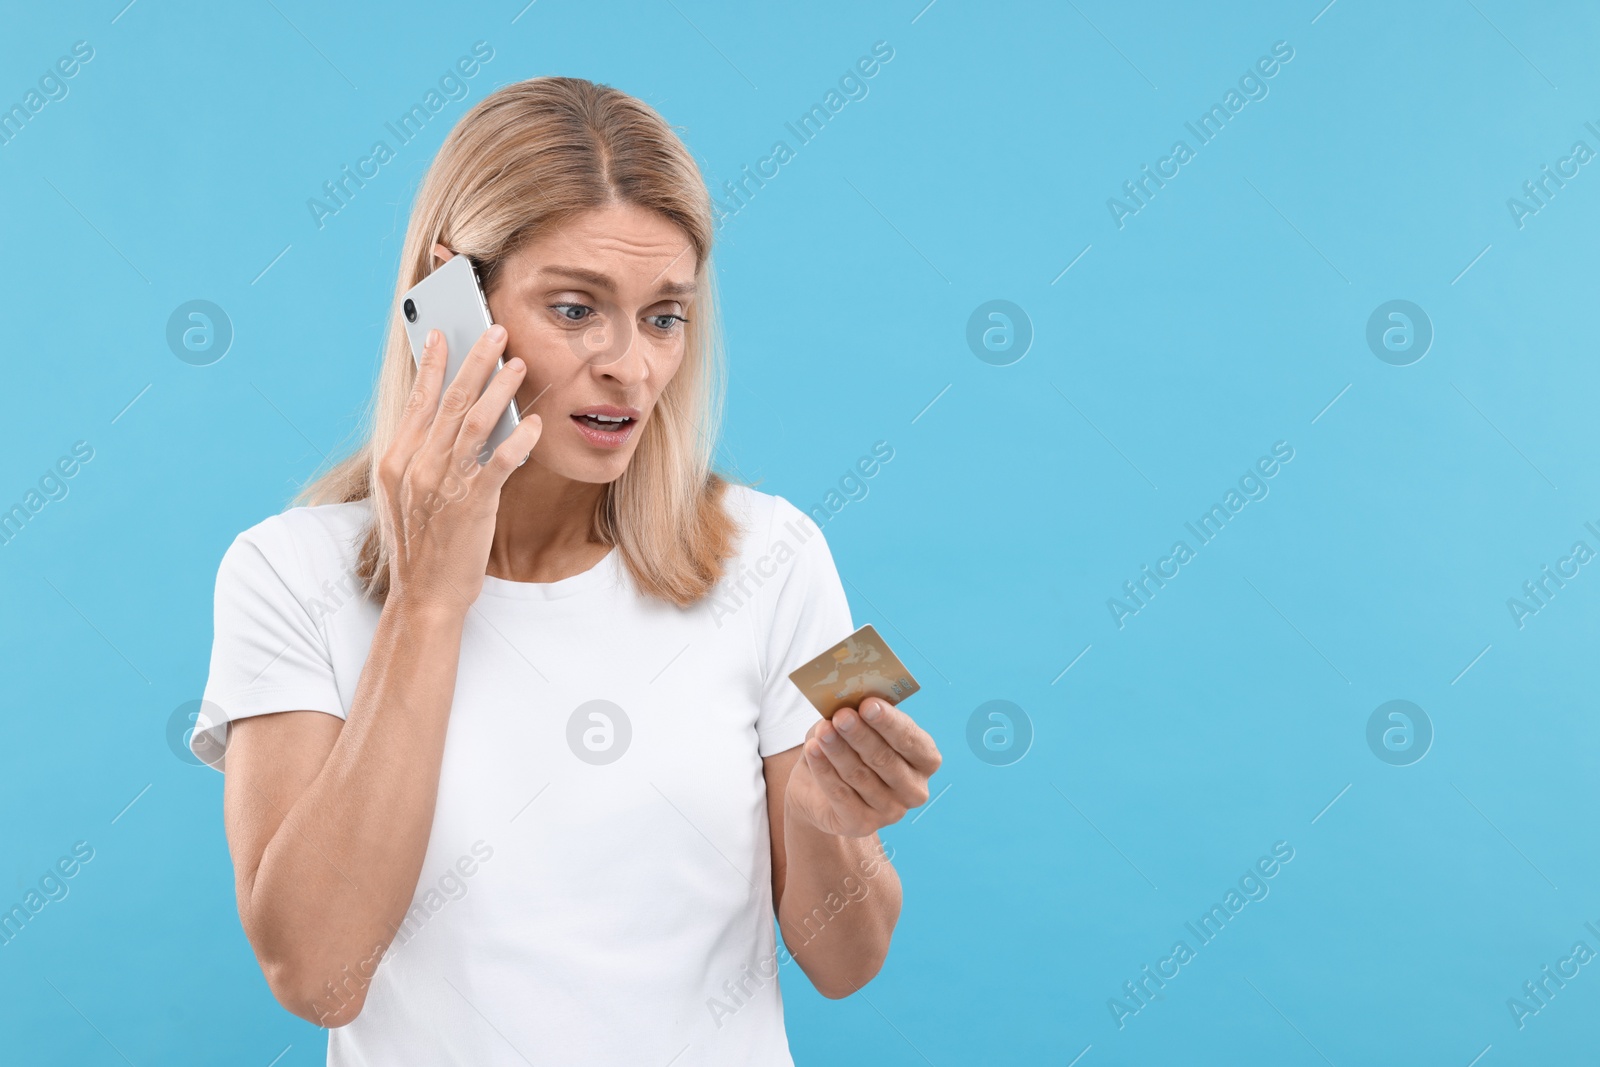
[{"x": 613, "y": 350}]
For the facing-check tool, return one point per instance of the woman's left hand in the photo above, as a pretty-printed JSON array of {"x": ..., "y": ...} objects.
[{"x": 861, "y": 771}]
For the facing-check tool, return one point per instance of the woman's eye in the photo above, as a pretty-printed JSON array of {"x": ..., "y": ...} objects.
[
  {"x": 667, "y": 322},
  {"x": 564, "y": 309}
]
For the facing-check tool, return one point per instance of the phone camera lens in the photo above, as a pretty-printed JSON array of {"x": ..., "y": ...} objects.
[{"x": 411, "y": 311}]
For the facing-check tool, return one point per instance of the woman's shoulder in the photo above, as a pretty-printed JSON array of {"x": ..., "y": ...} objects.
[
  {"x": 767, "y": 519},
  {"x": 750, "y": 507},
  {"x": 320, "y": 539}
]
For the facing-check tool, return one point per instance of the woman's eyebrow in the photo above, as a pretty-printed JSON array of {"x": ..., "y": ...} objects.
[{"x": 603, "y": 281}]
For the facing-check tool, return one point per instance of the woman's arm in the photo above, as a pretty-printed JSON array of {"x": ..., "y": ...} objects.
[
  {"x": 836, "y": 894},
  {"x": 328, "y": 822}
]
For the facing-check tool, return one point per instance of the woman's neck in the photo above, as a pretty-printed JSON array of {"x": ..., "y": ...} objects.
[{"x": 543, "y": 527}]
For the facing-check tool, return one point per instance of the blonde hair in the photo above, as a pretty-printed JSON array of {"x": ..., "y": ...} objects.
[{"x": 527, "y": 158}]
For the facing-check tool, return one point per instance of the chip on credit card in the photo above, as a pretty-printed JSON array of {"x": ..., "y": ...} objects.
[{"x": 860, "y": 666}]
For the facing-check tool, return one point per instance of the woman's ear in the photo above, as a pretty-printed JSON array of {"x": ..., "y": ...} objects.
[{"x": 441, "y": 254}]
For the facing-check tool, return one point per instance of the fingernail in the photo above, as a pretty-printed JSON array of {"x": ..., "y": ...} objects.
[
  {"x": 513, "y": 363},
  {"x": 871, "y": 710},
  {"x": 845, "y": 720},
  {"x": 497, "y": 332},
  {"x": 433, "y": 339},
  {"x": 829, "y": 737}
]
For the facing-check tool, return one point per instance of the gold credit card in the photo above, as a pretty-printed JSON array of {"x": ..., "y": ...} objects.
[{"x": 860, "y": 666}]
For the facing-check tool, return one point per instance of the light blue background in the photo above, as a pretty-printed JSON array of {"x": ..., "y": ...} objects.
[{"x": 1222, "y": 318}]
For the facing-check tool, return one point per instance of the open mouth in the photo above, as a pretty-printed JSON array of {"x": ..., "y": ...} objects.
[{"x": 610, "y": 430}]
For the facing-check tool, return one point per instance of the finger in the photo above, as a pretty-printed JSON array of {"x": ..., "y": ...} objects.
[
  {"x": 902, "y": 734},
  {"x": 486, "y": 413},
  {"x": 423, "y": 402},
  {"x": 512, "y": 451},
  {"x": 846, "y": 802},
  {"x": 464, "y": 390},
  {"x": 868, "y": 784},
  {"x": 900, "y": 779}
]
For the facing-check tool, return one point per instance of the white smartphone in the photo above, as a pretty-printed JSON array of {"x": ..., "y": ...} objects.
[{"x": 451, "y": 301}]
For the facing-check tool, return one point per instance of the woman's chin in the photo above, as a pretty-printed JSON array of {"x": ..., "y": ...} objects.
[{"x": 576, "y": 466}]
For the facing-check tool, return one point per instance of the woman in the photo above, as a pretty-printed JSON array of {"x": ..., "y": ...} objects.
[{"x": 514, "y": 771}]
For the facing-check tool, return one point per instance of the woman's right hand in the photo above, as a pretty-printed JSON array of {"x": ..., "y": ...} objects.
[{"x": 437, "y": 504}]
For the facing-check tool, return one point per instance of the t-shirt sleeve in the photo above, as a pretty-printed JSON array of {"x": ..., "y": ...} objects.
[
  {"x": 267, "y": 653},
  {"x": 808, "y": 615}
]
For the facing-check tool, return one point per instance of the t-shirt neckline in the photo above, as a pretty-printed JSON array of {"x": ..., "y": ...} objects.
[{"x": 583, "y": 581}]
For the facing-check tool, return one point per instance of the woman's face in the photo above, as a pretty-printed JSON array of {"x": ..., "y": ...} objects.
[{"x": 596, "y": 309}]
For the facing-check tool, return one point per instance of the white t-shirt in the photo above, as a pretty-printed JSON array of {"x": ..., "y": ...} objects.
[{"x": 597, "y": 887}]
